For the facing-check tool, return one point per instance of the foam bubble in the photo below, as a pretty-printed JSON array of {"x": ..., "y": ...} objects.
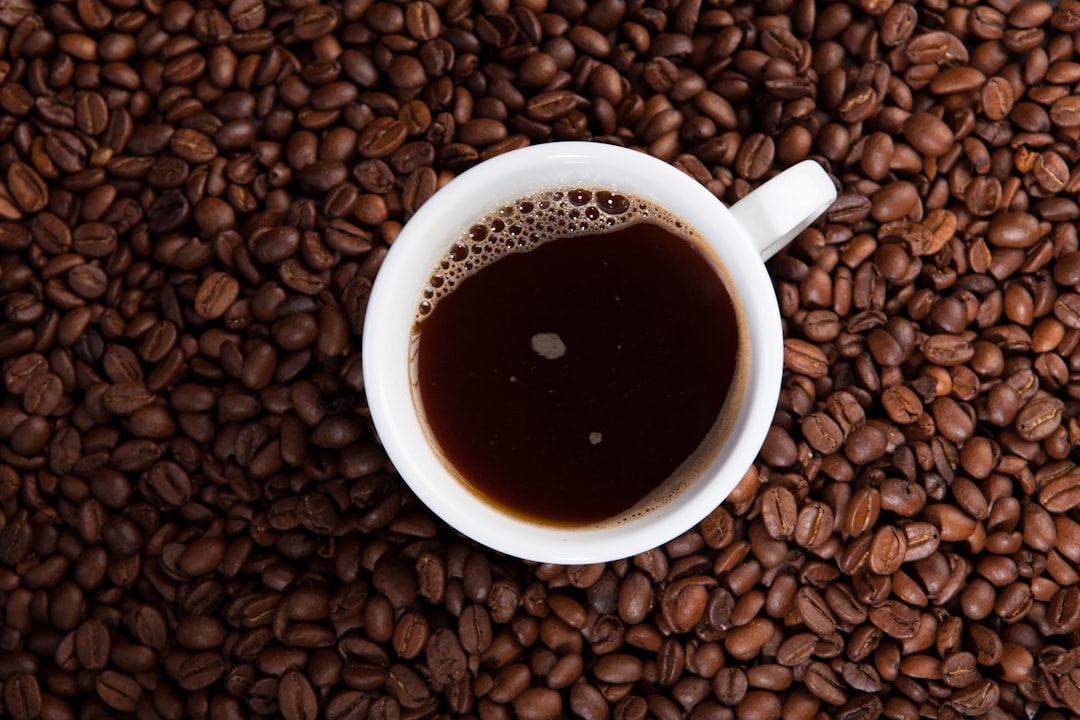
[
  {"x": 531, "y": 221},
  {"x": 548, "y": 345}
]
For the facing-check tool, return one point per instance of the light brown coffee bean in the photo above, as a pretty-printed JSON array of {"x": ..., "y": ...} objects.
[
  {"x": 1039, "y": 418},
  {"x": 538, "y": 703},
  {"x": 822, "y": 433},
  {"x": 1065, "y": 112},
  {"x": 1013, "y": 230},
  {"x": 814, "y": 525},
  {"x": 928, "y": 134},
  {"x": 215, "y": 295},
  {"x": 1060, "y": 494},
  {"x": 894, "y": 201},
  {"x": 922, "y": 540},
  {"x": 814, "y": 611},
  {"x": 1069, "y": 687},
  {"x": 824, "y": 683},
  {"x": 779, "y": 512},
  {"x": 1063, "y": 610},
  {"x": 976, "y": 698},
  {"x": 745, "y": 641},
  {"x": 947, "y": 350},
  {"x": 887, "y": 550},
  {"x": 27, "y": 188},
  {"x": 895, "y": 619},
  {"x": 805, "y": 358}
]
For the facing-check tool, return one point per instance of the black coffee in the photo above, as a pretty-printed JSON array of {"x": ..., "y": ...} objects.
[{"x": 574, "y": 351}]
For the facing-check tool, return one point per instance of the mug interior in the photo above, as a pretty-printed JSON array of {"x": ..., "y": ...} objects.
[{"x": 388, "y": 347}]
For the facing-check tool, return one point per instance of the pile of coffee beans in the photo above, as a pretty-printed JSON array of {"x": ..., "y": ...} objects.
[{"x": 197, "y": 521}]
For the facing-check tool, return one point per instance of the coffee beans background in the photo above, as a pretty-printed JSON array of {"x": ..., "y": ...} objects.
[{"x": 196, "y": 519}]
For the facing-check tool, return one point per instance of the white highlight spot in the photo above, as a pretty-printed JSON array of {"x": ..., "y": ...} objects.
[
  {"x": 595, "y": 438},
  {"x": 548, "y": 345}
]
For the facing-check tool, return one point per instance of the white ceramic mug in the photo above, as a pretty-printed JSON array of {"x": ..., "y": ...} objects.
[{"x": 740, "y": 237}]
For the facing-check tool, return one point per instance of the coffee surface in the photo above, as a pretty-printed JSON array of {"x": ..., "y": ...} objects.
[{"x": 570, "y": 380}]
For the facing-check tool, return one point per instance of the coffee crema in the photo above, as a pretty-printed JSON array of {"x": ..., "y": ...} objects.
[{"x": 574, "y": 354}]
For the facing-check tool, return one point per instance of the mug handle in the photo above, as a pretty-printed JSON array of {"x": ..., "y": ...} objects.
[{"x": 783, "y": 207}]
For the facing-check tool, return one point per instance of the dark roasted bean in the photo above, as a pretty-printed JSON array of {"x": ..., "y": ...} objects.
[
  {"x": 92, "y": 644},
  {"x": 296, "y": 697},
  {"x": 118, "y": 691}
]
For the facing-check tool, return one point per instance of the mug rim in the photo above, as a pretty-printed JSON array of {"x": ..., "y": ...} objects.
[{"x": 387, "y": 339}]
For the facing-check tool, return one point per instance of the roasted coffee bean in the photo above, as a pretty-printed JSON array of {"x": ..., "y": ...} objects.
[
  {"x": 814, "y": 611},
  {"x": 948, "y": 350},
  {"x": 928, "y": 134},
  {"x": 1065, "y": 112},
  {"x": 888, "y": 550},
  {"x": 92, "y": 644},
  {"x": 200, "y": 671},
  {"x": 959, "y": 670},
  {"x": 862, "y": 511},
  {"x": 27, "y": 188},
  {"x": 976, "y": 698},
  {"x": 823, "y": 683},
  {"x": 814, "y": 525},
  {"x": 1069, "y": 688},
  {"x": 779, "y": 511},
  {"x": 822, "y": 433},
  {"x": 192, "y": 146},
  {"x": 22, "y": 696},
  {"x": 804, "y": 358},
  {"x": 296, "y": 697},
  {"x": 381, "y": 137},
  {"x": 538, "y": 703},
  {"x": 730, "y": 685},
  {"x": 123, "y": 398},
  {"x": 215, "y": 295},
  {"x": 895, "y": 619},
  {"x": 1013, "y": 229},
  {"x": 199, "y": 632},
  {"x": 25, "y": 370},
  {"x": 865, "y": 444},
  {"x": 902, "y": 404},
  {"x": 745, "y": 641},
  {"x": 1039, "y": 418},
  {"x": 314, "y": 21},
  {"x": 118, "y": 691}
]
